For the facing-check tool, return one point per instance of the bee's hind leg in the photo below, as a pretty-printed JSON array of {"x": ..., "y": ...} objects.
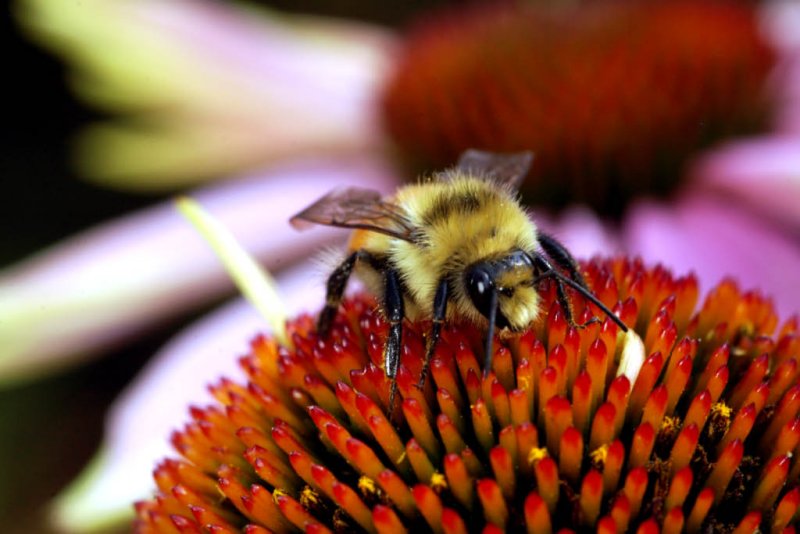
[
  {"x": 439, "y": 311},
  {"x": 337, "y": 282},
  {"x": 395, "y": 312}
]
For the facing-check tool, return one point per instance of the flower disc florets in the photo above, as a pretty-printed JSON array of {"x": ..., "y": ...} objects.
[
  {"x": 612, "y": 96},
  {"x": 690, "y": 423}
]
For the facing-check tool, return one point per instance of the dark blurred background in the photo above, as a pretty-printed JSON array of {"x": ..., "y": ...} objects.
[{"x": 51, "y": 427}]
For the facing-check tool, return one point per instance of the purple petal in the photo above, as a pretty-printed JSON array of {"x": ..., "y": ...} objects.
[
  {"x": 717, "y": 239},
  {"x": 581, "y": 231},
  {"x": 781, "y": 23},
  {"x": 110, "y": 282},
  {"x": 762, "y": 174}
]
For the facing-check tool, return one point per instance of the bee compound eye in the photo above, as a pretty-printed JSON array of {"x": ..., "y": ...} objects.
[
  {"x": 479, "y": 281},
  {"x": 480, "y": 285}
]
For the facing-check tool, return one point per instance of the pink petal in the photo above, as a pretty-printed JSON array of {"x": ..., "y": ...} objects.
[
  {"x": 781, "y": 20},
  {"x": 781, "y": 23},
  {"x": 106, "y": 284},
  {"x": 581, "y": 231},
  {"x": 155, "y": 404},
  {"x": 717, "y": 239},
  {"x": 761, "y": 174}
]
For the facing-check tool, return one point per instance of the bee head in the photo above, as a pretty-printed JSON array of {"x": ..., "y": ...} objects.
[{"x": 502, "y": 288}]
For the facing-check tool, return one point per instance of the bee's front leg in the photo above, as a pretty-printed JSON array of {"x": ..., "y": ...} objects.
[
  {"x": 547, "y": 269},
  {"x": 543, "y": 270},
  {"x": 561, "y": 257}
]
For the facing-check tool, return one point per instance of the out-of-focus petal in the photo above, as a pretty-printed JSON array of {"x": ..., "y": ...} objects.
[
  {"x": 581, "y": 231},
  {"x": 717, "y": 239},
  {"x": 782, "y": 26},
  {"x": 112, "y": 281},
  {"x": 211, "y": 88},
  {"x": 781, "y": 20},
  {"x": 763, "y": 174},
  {"x": 142, "y": 419}
]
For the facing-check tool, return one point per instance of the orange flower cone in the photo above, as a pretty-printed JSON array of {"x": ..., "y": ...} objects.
[{"x": 694, "y": 426}]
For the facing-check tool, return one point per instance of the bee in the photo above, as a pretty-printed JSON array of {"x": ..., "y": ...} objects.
[{"x": 456, "y": 245}]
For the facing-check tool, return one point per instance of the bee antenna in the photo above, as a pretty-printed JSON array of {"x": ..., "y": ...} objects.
[
  {"x": 487, "y": 362},
  {"x": 585, "y": 292}
]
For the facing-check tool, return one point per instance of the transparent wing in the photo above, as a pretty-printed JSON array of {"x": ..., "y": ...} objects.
[
  {"x": 356, "y": 208},
  {"x": 505, "y": 169}
]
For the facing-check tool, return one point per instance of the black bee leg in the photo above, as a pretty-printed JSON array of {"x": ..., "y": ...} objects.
[
  {"x": 439, "y": 311},
  {"x": 395, "y": 312},
  {"x": 561, "y": 294},
  {"x": 561, "y": 257},
  {"x": 492, "y": 317},
  {"x": 543, "y": 269},
  {"x": 337, "y": 282}
]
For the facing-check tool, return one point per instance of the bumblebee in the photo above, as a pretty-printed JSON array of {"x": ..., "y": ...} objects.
[{"x": 458, "y": 244}]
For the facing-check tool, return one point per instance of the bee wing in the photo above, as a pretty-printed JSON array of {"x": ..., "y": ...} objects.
[
  {"x": 505, "y": 169},
  {"x": 356, "y": 208}
]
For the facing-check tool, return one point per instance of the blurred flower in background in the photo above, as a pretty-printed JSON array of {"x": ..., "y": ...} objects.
[
  {"x": 625, "y": 104},
  {"x": 207, "y": 91}
]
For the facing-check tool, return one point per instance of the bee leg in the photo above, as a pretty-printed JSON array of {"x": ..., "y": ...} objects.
[
  {"x": 546, "y": 270},
  {"x": 489, "y": 353},
  {"x": 561, "y": 294},
  {"x": 439, "y": 311},
  {"x": 561, "y": 257},
  {"x": 395, "y": 312},
  {"x": 337, "y": 282}
]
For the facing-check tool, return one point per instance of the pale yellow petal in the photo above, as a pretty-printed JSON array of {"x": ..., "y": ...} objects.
[
  {"x": 254, "y": 282},
  {"x": 206, "y": 89}
]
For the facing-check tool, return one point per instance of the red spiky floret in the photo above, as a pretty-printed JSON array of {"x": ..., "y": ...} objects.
[{"x": 705, "y": 437}]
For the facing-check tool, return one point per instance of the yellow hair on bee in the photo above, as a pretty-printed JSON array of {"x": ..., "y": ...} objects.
[
  {"x": 460, "y": 220},
  {"x": 458, "y": 244}
]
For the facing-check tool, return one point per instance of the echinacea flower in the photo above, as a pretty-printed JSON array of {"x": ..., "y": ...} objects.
[
  {"x": 199, "y": 90},
  {"x": 218, "y": 117},
  {"x": 689, "y": 422}
]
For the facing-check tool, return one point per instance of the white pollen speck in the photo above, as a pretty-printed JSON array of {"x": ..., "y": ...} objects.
[{"x": 632, "y": 358}]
